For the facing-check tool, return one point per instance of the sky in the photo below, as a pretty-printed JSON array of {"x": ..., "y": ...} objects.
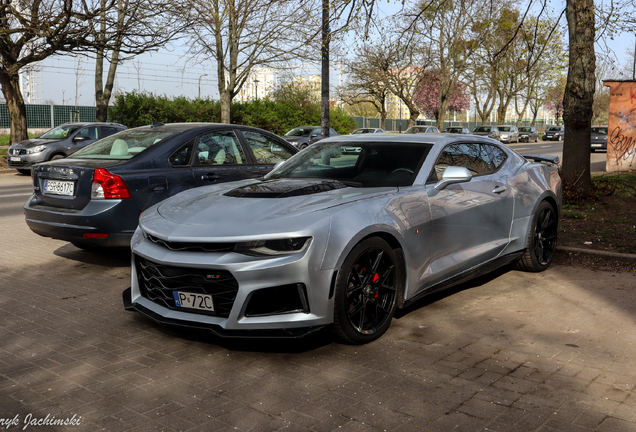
[{"x": 69, "y": 80}]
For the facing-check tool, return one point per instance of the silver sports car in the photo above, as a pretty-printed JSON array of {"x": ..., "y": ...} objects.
[{"x": 338, "y": 239}]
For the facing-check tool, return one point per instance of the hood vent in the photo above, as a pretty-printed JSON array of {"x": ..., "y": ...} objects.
[{"x": 285, "y": 188}]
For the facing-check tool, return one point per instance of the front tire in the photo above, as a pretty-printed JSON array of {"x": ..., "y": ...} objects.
[
  {"x": 367, "y": 291},
  {"x": 542, "y": 240},
  {"x": 57, "y": 156},
  {"x": 25, "y": 171}
]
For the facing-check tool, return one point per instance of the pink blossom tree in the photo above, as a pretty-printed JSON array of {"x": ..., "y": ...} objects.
[
  {"x": 554, "y": 98},
  {"x": 427, "y": 97}
]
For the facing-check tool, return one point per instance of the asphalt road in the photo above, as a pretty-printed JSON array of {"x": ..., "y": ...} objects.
[{"x": 555, "y": 148}]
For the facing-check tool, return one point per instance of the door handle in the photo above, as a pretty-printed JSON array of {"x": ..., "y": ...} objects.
[
  {"x": 499, "y": 189},
  {"x": 210, "y": 177}
]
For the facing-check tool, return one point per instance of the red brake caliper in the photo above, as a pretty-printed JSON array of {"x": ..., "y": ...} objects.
[{"x": 375, "y": 279}]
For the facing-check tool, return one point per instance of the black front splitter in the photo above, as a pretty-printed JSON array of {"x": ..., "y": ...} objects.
[{"x": 291, "y": 333}]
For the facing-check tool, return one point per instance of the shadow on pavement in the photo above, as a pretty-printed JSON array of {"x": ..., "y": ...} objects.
[{"x": 107, "y": 257}]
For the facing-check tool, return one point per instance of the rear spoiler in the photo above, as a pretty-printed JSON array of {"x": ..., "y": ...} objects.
[{"x": 542, "y": 158}]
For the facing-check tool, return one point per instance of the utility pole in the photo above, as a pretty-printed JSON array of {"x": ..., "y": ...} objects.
[
  {"x": 324, "y": 104},
  {"x": 256, "y": 81}
]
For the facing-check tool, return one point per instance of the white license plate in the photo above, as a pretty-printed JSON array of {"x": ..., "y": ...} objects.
[
  {"x": 15, "y": 159},
  {"x": 193, "y": 300},
  {"x": 58, "y": 187},
  {"x": 597, "y": 145},
  {"x": 524, "y": 136}
]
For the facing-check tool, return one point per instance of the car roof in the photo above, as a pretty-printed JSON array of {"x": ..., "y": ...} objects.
[
  {"x": 91, "y": 123},
  {"x": 434, "y": 138}
]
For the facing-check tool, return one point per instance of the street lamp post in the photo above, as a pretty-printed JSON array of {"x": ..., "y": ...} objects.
[
  {"x": 200, "y": 84},
  {"x": 256, "y": 87}
]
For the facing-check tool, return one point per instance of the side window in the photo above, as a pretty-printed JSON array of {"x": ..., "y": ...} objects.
[
  {"x": 471, "y": 156},
  {"x": 266, "y": 150},
  {"x": 219, "y": 148},
  {"x": 108, "y": 130},
  {"x": 182, "y": 156},
  {"x": 494, "y": 154},
  {"x": 333, "y": 132},
  {"x": 89, "y": 132}
]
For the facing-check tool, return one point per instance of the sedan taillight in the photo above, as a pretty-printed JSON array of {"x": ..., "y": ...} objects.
[{"x": 108, "y": 186}]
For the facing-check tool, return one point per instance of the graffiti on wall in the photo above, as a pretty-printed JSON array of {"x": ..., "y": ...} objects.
[{"x": 621, "y": 143}]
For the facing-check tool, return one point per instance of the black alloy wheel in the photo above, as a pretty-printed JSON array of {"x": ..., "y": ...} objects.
[
  {"x": 542, "y": 240},
  {"x": 367, "y": 291}
]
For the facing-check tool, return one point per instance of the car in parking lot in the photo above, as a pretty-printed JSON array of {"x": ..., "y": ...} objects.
[
  {"x": 94, "y": 198},
  {"x": 57, "y": 143},
  {"x": 598, "y": 140},
  {"x": 554, "y": 133},
  {"x": 528, "y": 134},
  {"x": 343, "y": 241},
  {"x": 304, "y": 136},
  {"x": 457, "y": 129},
  {"x": 367, "y": 130},
  {"x": 488, "y": 131},
  {"x": 421, "y": 129},
  {"x": 508, "y": 134}
]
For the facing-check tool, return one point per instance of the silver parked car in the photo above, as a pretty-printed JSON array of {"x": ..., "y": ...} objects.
[
  {"x": 343, "y": 241},
  {"x": 508, "y": 134}
]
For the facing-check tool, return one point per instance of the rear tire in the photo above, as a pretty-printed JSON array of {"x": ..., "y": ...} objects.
[
  {"x": 542, "y": 240},
  {"x": 367, "y": 292},
  {"x": 25, "y": 171},
  {"x": 303, "y": 147}
]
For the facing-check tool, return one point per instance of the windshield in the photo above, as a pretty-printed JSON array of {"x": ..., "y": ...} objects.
[
  {"x": 123, "y": 145},
  {"x": 600, "y": 130},
  {"x": 60, "y": 132},
  {"x": 454, "y": 130},
  {"x": 504, "y": 129},
  {"x": 554, "y": 128},
  {"x": 482, "y": 129},
  {"x": 357, "y": 164},
  {"x": 524, "y": 129},
  {"x": 300, "y": 132}
]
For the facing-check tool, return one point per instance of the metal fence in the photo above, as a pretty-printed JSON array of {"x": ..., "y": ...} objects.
[
  {"x": 49, "y": 116},
  {"x": 400, "y": 125}
]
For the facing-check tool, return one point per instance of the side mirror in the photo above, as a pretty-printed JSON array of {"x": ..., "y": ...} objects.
[
  {"x": 80, "y": 138},
  {"x": 453, "y": 174}
]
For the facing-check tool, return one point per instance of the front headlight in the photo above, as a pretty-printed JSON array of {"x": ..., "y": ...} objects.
[
  {"x": 273, "y": 247},
  {"x": 36, "y": 149}
]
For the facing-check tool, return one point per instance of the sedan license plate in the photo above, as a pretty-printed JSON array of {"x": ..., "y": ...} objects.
[
  {"x": 193, "y": 301},
  {"x": 14, "y": 159},
  {"x": 59, "y": 187},
  {"x": 597, "y": 145}
]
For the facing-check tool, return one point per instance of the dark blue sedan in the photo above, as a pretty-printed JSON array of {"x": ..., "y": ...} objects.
[{"x": 94, "y": 198}]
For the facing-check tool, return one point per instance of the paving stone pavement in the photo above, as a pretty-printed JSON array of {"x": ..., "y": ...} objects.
[{"x": 554, "y": 351}]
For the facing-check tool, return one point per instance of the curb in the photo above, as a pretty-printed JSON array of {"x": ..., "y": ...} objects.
[{"x": 631, "y": 258}]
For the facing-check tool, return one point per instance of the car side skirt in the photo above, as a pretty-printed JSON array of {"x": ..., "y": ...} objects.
[{"x": 465, "y": 276}]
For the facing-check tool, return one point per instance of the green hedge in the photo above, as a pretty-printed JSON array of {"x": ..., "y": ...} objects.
[{"x": 139, "y": 109}]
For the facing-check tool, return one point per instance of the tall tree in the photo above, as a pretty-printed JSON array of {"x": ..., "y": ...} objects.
[
  {"x": 367, "y": 84},
  {"x": 126, "y": 29},
  {"x": 31, "y": 31},
  {"x": 240, "y": 35},
  {"x": 449, "y": 29},
  {"x": 579, "y": 93}
]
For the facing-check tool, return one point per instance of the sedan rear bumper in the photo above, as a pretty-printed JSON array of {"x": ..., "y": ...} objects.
[{"x": 114, "y": 218}]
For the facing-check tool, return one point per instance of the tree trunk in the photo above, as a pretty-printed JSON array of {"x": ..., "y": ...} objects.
[
  {"x": 15, "y": 105},
  {"x": 226, "y": 102},
  {"x": 324, "y": 86},
  {"x": 579, "y": 94}
]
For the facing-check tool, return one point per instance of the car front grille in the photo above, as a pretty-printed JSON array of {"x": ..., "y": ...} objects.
[
  {"x": 157, "y": 283},
  {"x": 17, "y": 152}
]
